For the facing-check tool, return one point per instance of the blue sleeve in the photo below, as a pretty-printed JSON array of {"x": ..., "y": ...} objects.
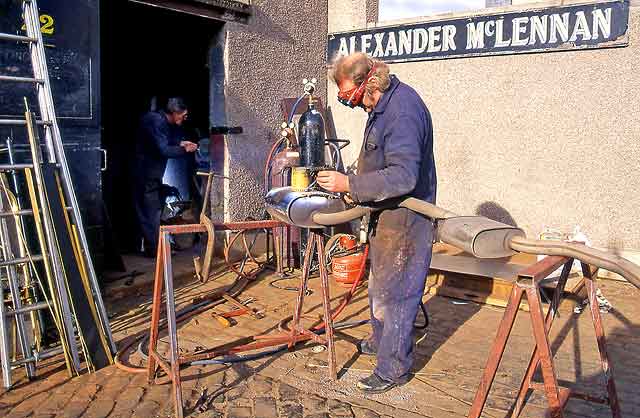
[
  {"x": 159, "y": 134},
  {"x": 402, "y": 155}
]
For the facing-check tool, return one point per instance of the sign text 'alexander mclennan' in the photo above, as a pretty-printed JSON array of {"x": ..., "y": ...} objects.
[{"x": 556, "y": 28}]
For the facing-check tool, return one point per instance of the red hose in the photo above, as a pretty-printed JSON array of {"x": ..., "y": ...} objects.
[{"x": 281, "y": 325}]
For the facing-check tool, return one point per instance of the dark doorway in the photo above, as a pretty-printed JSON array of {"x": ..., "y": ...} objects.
[{"x": 148, "y": 54}]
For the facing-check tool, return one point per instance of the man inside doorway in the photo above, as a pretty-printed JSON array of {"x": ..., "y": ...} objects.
[
  {"x": 396, "y": 160},
  {"x": 159, "y": 138}
]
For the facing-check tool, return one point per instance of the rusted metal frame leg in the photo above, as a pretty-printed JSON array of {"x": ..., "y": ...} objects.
[
  {"x": 497, "y": 350},
  {"x": 208, "y": 253},
  {"x": 601, "y": 339},
  {"x": 326, "y": 302},
  {"x": 306, "y": 268},
  {"x": 544, "y": 353},
  {"x": 171, "y": 325},
  {"x": 535, "y": 360},
  {"x": 155, "y": 310}
]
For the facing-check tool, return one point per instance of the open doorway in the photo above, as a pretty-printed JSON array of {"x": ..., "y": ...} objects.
[{"x": 150, "y": 54}]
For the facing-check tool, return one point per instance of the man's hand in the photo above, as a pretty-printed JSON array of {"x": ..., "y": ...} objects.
[
  {"x": 333, "y": 181},
  {"x": 189, "y": 146}
]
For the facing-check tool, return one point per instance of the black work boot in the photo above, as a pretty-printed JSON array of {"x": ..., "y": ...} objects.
[
  {"x": 375, "y": 384},
  {"x": 366, "y": 348}
]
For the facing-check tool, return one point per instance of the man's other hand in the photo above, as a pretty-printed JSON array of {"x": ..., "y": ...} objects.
[
  {"x": 189, "y": 146},
  {"x": 333, "y": 181}
]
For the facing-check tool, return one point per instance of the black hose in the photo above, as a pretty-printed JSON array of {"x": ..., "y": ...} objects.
[{"x": 426, "y": 318}]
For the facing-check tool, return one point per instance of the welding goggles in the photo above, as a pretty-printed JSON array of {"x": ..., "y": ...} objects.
[{"x": 353, "y": 98}]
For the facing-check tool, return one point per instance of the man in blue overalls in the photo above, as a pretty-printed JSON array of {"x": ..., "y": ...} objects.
[
  {"x": 159, "y": 138},
  {"x": 396, "y": 160}
]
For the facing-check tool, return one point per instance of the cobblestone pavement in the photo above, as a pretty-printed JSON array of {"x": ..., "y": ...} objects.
[{"x": 449, "y": 364}]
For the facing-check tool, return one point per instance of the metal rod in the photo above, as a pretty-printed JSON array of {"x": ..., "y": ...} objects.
[
  {"x": 20, "y": 122},
  {"x": 22, "y": 212},
  {"x": 11, "y": 167},
  {"x": 14, "y": 287},
  {"x": 56, "y": 262},
  {"x": 5, "y": 358},
  {"x": 42, "y": 355},
  {"x": 171, "y": 324},
  {"x": 17, "y": 38},
  {"x": 607, "y": 369},
  {"x": 21, "y": 79},
  {"x": 22, "y": 260},
  {"x": 544, "y": 353},
  {"x": 326, "y": 301},
  {"x": 497, "y": 350},
  {"x": 28, "y": 308},
  {"x": 37, "y": 319}
]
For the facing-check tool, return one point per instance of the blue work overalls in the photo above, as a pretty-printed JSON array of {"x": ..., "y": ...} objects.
[
  {"x": 396, "y": 160},
  {"x": 157, "y": 141}
]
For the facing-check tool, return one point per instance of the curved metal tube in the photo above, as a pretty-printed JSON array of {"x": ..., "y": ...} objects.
[
  {"x": 336, "y": 218},
  {"x": 603, "y": 259},
  {"x": 428, "y": 209},
  {"x": 588, "y": 255}
]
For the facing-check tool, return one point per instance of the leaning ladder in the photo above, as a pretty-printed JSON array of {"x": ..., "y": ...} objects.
[{"x": 55, "y": 155}]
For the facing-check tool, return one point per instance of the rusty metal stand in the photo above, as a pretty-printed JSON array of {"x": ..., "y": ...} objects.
[
  {"x": 315, "y": 244},
  {"x": 164, "y": 278},
  {"x": 529, "y": 283}
]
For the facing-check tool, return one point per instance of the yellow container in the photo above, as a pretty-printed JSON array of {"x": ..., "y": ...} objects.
[{"x": 299, "y": 179}]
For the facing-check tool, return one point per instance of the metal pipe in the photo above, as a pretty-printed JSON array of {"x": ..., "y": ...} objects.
[
  {"x": 511, "y": 242},
  {"x": 588, "y": 255},
  {"x": 17, "y": 38},
  {"x": 21, "y": 260},
  {"x": 45, "y": 354},
  {"x": 11, "y": 167},
  {"x": 28, "y": 308},
  {"x": 20, "y": 122},
  {"x": 21, "y": 79}
]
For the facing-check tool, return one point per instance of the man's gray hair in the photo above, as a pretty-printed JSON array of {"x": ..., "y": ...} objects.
[{"x": 175, "y": 105}]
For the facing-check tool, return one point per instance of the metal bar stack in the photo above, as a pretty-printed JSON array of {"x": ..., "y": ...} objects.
[{"x": 61, "y": 279}]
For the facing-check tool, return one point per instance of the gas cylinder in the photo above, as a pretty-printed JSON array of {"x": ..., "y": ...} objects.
[
  {"x": 346, "y": 269},
  {"x": 311, "y": 138}
]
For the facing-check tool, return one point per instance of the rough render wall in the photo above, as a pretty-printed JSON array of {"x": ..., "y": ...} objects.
[
  {"x": 265, "y": 62},
  {"x": 549, "y": 139}
]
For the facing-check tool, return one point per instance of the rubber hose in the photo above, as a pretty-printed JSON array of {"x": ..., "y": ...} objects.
[{"x": 181, "y": 315}]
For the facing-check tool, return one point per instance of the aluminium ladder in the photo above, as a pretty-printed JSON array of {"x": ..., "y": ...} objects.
[{"x": 55, "y": 155}]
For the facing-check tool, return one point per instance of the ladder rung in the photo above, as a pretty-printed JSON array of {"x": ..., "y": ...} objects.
[
  {"x": 19, "y": 38},
  {"x": 28, "y": 308},
  {"x": 22, "y": 122},
  {"x": 16, "y": 213},
  {"x": 23, "y": 212},
  {"x": 45, "y": 354},
  {"x": 11, "y": 167},
  {"x": 21, "y": 260},
  {"x": 21, "y": 79}
]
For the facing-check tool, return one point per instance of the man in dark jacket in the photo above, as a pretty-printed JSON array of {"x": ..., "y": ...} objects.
[
  {"x": 396, "y": 160},
  {"x": 159, "y": 138}
]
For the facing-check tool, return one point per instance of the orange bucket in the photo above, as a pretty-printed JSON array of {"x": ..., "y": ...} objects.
[{"x": 346, "y": 270}]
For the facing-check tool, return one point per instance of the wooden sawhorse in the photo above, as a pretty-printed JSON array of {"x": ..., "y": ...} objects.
[{"x": 528, "y": 282}]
